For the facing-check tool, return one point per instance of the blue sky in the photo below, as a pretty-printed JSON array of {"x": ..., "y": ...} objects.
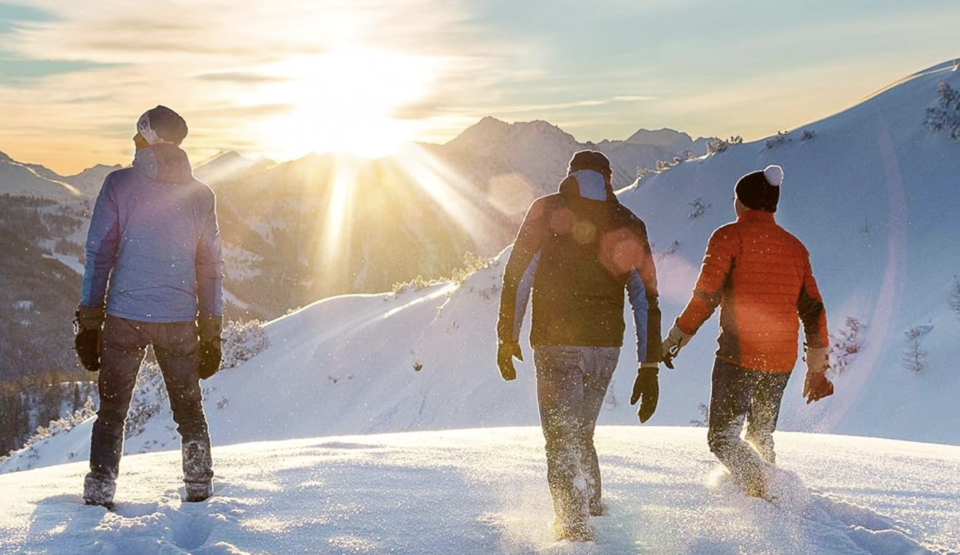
[{"x": 75, "y": 75}]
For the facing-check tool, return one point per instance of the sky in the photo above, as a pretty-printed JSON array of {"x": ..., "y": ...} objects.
[{"x": 288, "y": 77}]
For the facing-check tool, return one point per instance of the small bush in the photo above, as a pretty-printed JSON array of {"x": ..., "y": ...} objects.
[
  {"x": 946, "y": 116},
  {"x": 808, "y": 134},
  {"x": 699, "y": 209},
  {"x": 719, "y": 145},
  {"x": 242, "y": 341},
  {"x": 847, "y": 344},
  {"x": 780, "y": 138},
  {"x": 953, "y": 299},
  {"x": 914, "y": 355}
]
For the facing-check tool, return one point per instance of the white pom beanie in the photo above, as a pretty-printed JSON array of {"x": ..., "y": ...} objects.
[{"x": 760, "y": 190}]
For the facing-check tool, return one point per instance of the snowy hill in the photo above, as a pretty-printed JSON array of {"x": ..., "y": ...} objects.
[
  {"x": 873, "y": 194},
  {"x": 483, "y": 491},
  {"x": 425, "y": 359}
]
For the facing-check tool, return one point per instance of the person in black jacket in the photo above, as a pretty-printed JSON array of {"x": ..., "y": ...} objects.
[{"x": 577, "y": 250}]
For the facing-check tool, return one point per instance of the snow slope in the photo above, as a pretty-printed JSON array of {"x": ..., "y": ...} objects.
[
  {"x": 873, "y": 195},
  {"x": 484, "y": 491}
]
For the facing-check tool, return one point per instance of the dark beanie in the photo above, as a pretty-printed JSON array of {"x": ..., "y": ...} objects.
[
  {"x": 590, "y": 160},
  {"x": 760, "y": 190},
  {"x": 168, "y": 124}
]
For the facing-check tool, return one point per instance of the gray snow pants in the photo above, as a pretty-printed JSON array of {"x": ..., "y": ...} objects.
[
  {"x": 571, "y": 385},
  {"x": 737, "y": 395},
  {"x": 124, "y": 346}
]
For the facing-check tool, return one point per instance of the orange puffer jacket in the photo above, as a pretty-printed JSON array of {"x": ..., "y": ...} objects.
[{"x": 760, "y": 276}]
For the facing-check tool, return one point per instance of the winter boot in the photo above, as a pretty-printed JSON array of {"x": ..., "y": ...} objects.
[
  {"x": 197, "y": 471},
  {"x": 99, "y": 492},
  {"x": 579, "y": 531}
]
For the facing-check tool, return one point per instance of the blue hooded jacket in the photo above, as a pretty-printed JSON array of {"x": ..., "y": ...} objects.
[{"x": 155, "y": 242}]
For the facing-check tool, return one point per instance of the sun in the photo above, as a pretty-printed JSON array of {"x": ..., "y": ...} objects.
[{"x": 345, "y": 101}]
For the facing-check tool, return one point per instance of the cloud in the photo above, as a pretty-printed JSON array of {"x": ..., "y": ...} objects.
[{"x": 241, "y": 77}]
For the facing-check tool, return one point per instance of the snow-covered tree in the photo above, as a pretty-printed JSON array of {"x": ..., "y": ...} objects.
[
  {"x": 915, "y": 354},
  {"x": 946, "y": 116},
  {"x": 954, "y": 297}
]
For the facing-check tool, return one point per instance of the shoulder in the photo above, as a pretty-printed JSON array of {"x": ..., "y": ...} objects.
[
  {"x": 726, "y": 232},
  {"x": 119, "y": 177},
  {"x": 544, "y": 205},
  {"x": 796, "y": 243},
  {"x": 625, "y": 215}
]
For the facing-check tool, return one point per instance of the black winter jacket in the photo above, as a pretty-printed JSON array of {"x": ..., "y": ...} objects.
[{"x": 578, "y": 250}]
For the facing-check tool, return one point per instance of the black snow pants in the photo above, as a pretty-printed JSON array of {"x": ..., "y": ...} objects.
[{"x": 176, "y": 346}]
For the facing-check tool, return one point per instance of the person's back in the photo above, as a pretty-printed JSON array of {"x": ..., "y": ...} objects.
[
  {"x": 578, "y": 250},
  {"x": 758, "y": 310},
  {"x": 760, "y": 276},
  {"x": 164, "y": 237},
  {"x": 152, "y": 277},
  {"x": 584, "y": 262}
]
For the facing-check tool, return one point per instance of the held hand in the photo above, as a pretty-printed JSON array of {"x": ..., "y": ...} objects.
[
  {"x": 506, "y": 352},
  {"x": 646, "y": 389},
  {"x": 816, "y": 386},
  {"x": 676, "y": 340}
]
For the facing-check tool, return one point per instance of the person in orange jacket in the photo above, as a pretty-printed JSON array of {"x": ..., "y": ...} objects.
[{"x": 760, "y": 276}]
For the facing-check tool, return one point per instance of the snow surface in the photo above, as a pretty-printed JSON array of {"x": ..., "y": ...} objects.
[
  {"x": 484, "y": 491},
  {"x": 425, "y": 360}
]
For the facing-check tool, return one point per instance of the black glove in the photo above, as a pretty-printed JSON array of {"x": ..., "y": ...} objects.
[
  {"x": 646, "y": 386},
  {"x": 506, "y": 351},
  {"x": 210, "y": 329},
  {"x": 816, "y": 386},
  {"x": 88, "y": 327}
]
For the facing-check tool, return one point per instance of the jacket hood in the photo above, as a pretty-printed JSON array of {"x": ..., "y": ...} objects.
[
  {"x": 164, "y": 162},
  {"x": 587, "y": 184}
]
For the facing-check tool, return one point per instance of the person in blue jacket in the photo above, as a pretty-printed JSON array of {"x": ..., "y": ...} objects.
[
  {"x": 577, "y": 251},
  {"x": 153, "y": 276}
]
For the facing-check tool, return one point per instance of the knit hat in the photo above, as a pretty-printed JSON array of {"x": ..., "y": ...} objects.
[
  {"x": 162, "y": 123},
  {"x": 590, "y": 160},
  {"x": 760, "y": 190}
]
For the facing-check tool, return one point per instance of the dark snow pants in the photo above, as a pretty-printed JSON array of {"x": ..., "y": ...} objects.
[
  {"x": 124, "y": 346},
  {"x": 571, "y": 385},
  {"x": 740, "y": 394}
]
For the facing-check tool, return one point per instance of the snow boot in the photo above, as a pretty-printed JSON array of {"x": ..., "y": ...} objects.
[
  {"x": 580, "y": 531},
  {"x": 99, "y": 492}
]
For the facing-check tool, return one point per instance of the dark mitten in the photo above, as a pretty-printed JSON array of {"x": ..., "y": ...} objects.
[
  {"x": 88, "y": 327},
  {"x": 210, "y": 329},
  {"x": 646, "y": 389},
  {"x": 816, "y": 386},
  {"x": 506, "y": 352}
]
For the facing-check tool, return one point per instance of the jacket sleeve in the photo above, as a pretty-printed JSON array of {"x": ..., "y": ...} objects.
[
  {"x": 644, "y": 300},
  {"x": 811, "y": 310},
  {"x": 519, "y": 273},
  {"x": 209, "y": 260},
  {"x": 103, "y": 239},
  {"x": 707, "y": 294}
]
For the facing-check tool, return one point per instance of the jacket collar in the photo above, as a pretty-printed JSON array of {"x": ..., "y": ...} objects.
[
  {"x": 756, "y": 216},
  {"x": 587, "y": 184},
  {"x": 163, "y": 162}
]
